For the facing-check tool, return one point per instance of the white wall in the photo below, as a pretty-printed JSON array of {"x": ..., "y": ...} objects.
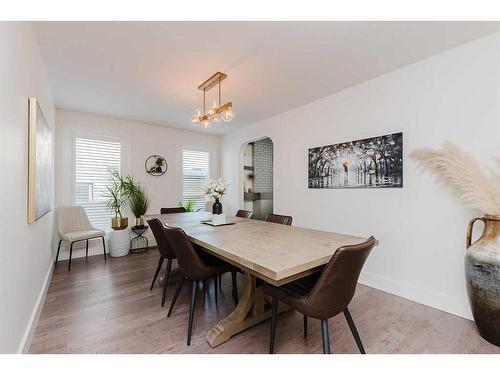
[
  {"x": 25, "y": 251},
  {"x": 139, "y": 141},
  {"x": 452, "y": 96}
]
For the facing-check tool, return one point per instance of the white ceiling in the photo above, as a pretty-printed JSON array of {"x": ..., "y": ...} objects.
[{"x": 149, "y": 71}]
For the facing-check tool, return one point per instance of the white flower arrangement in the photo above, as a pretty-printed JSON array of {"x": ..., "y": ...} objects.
[{"x": 216, "y": 188}]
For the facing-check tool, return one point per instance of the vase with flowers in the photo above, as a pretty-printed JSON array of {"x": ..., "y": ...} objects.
[
  {"x": 216, "y": 189},
  {"x": 480, "y": 191}
]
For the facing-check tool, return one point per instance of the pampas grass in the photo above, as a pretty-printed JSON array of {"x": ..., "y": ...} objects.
[{"x": 459, "y": 171}]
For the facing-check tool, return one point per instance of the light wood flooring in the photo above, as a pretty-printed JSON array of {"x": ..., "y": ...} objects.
[{"x": 107, "y": 307}]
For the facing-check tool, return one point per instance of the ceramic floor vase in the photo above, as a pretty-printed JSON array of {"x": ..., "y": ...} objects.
[{"x": 482, "y": 273}]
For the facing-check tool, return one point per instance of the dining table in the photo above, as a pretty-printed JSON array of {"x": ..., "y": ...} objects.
[{"x": 264, "y": 252}]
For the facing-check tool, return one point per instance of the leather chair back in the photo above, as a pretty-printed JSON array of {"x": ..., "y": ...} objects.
[
  {"x": 337, "y": 283},
  {"x": 280, "y": 219},
  {"x": 190, "y": 263},
  {"x": 172, "y": 210},
  {"x": 161, "y": 238},
  {"x": 244, "y": 213}
]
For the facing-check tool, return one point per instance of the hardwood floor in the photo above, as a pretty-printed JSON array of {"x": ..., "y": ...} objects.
[{"x": 107, "y": 307}]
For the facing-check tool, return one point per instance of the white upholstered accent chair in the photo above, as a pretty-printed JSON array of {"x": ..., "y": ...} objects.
[{"x": 73, "y": 226}]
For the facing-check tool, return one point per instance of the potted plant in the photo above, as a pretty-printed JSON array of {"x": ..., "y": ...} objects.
[
  {"x": 159, "y": 163},
  {"x": 137, "y": 199},
  {"x": 479, "y": 191},
  {"x": 189, "y": 205},
  {"x": 117, "y": 196}
]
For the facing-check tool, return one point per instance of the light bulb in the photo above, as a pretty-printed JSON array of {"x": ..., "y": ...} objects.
[
  {"x": 228, "y": 115},
  {"x": 196, "y": 117}
]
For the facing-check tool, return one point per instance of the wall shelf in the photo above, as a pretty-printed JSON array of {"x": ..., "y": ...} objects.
[{"x": 251, "y": 196}]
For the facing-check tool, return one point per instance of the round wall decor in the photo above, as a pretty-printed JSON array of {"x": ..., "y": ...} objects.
[{"x": 156, "y": 165}]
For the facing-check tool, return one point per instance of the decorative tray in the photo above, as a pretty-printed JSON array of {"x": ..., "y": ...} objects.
[{"x": 209, "y": 222}]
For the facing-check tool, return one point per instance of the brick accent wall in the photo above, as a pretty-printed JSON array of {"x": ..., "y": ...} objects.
[{"x": 263, "y": 166}]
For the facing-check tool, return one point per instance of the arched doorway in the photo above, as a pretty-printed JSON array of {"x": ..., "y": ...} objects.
[{"x": 257, "y": 177}]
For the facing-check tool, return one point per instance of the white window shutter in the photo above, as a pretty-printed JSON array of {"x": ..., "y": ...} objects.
[
  {"x": 95, "y": 161},
  {"x": 195, "y": 172}
]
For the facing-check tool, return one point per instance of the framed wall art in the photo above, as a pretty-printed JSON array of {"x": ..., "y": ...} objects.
[
  {"x": 156, "y": 165},
  {"x": 366, "y": 163},
  {"x": 40, "y": 169}
]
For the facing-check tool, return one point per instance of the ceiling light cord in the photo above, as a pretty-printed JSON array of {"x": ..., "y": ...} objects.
[{"x": 218, "y": 105}]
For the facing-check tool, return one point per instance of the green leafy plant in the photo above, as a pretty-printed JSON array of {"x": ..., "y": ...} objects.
[
  {"x": 138, "y": 200},
  {"x": 117, "y": 194},
  {"x": 159, "y": 163},
  {"x": 125, "y": 189},
  {"x": 188, "y": 205}
]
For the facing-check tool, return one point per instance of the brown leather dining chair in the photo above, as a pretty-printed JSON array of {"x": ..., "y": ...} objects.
[
  {"x": 172, "y": 210},
  {"x": 325, "y": 294},
  {"x": 280, "y": 219},
  {"x": 245, "y": 214},
  {"x": 166, "y": 252},
  {"x": 195, "y": 266}
]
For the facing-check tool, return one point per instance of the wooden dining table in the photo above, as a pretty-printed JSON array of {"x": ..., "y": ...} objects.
[{"x": 274, "y": 253}]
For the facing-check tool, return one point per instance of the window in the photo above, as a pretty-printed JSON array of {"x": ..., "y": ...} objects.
[
  {"x": 95, "y": 160},
  {"x": 194, "y": 176}
]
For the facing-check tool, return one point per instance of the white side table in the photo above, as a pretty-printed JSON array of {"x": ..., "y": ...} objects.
[{"x": 119, "y": 242}]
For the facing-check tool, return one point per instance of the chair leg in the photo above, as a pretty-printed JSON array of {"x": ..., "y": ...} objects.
[
  {"x": 57, "y": 255},
  {"x": 104, "y": 248},
  {"x": 191, "y": 312},
  {"x": 220, "y": 281},
  {"x": 204, "y": 287},
  {"x": 326, "y": 336},
  {"x": 87, "y": 250},
  {"x": 235, "y": 287},
  {"x": 354, "y": 331},
  {"x": 274, "y": 316},
  {"x": 305, "y": 324},
  {"x": 167, "y": 274},
  {"x": 176, "y": 294},
  {"x": 70, "y": 254},
  {"x": 216, "y": 289},
  {"x": 160, "y": 262}
]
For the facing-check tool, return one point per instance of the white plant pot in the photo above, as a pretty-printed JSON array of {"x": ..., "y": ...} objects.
[{"x": 119, "y": 242}]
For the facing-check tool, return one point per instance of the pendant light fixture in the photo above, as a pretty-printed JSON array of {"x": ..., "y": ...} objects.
[{"x": 217, "y": 111}]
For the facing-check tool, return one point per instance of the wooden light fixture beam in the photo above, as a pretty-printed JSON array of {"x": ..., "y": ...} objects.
[
  {"x": 218, "y": 110},
  {"x": 212, "y": 81}
]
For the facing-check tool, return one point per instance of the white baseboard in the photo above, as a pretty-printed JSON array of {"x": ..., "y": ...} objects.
[
  {"x": 414, "y": 293},
  {"x": 25, "y": 344}
]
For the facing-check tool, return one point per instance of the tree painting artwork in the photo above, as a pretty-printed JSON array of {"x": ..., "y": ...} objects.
[{"x": 366, "y": 163}]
